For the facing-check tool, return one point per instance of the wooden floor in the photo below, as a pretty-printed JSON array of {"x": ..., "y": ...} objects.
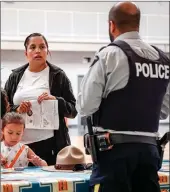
[{"x": 78, "y": 142}]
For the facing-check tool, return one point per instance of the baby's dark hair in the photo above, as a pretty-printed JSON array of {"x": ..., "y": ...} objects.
[
  {"x": 12, "y": 117},
  {"x": 26, "y": 42}
]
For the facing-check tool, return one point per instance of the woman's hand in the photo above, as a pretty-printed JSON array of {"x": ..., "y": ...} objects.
[
  {"x": 24, "y": 107},
  {"x": 45, "y": 96}
]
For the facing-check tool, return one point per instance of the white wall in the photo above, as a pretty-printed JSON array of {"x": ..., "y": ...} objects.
[
  {"x": 83, "y": 21},
  {"x": 70, "y": 62}
]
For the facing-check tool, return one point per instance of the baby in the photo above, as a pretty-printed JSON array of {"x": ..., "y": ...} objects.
[{"x": 13, "y": 152}]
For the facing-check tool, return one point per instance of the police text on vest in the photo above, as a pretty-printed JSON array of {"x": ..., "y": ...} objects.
[{"x": 152, "y": 70}]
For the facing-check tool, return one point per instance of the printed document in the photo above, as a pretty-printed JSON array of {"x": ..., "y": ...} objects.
[{"x": 42, "y": 116}]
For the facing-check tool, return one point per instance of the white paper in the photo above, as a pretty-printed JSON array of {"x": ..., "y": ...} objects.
[{"x": 44, "y": 115}]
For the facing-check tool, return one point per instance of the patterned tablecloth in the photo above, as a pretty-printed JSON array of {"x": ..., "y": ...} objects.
[{"x": 38, "y": 180}]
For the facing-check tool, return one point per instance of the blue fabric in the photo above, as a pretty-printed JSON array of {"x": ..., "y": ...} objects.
[{"x": 37, "y": 180}]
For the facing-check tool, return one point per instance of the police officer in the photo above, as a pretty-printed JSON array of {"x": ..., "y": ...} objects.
[{"x": 123, "y": 91}]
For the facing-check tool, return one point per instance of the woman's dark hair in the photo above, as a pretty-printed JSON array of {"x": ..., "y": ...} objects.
[
  {"x": 3, "y": 102},
  {"x": 12, "y": 117},
  {"x": 26, "y": 42}
]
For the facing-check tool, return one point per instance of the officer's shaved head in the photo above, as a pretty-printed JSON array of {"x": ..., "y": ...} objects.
[{"x": 125, "y": 15}]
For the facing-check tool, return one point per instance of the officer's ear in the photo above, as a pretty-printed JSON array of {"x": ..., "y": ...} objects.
[{"x": 112, "y": 26}]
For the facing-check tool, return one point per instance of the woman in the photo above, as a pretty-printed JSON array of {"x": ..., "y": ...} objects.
[{"x": 40, "y": 80}]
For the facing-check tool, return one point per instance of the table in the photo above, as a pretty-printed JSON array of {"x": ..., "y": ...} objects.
[
  {"x": 164, "y": 176},
  {"x": 38, "y": 180}
]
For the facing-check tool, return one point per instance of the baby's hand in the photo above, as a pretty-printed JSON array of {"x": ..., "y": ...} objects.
[
  {"x": 37, "y": 161},
  {"x": 3, "y": 161}
]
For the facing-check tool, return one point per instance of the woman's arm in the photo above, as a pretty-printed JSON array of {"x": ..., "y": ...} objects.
[
  {"x": 67, "y": 102},
  {"x": 34, "y": 159},
  {"x": 10, "y": 90}
]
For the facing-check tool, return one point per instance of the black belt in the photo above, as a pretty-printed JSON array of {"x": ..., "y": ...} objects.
[{"x": 124, "y": 138}]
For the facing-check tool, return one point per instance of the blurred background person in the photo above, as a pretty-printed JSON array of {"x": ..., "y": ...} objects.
[{"x": 5, "y": 107}]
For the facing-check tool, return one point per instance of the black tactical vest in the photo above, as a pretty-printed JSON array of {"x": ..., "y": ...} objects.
[{"x": 137, "y": 106}]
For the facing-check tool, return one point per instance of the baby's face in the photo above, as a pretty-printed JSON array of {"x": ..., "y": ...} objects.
[{"x": 13, "y": 133}]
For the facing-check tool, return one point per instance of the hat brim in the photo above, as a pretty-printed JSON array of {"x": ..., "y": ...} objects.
[{"x": 52, "y": 169}]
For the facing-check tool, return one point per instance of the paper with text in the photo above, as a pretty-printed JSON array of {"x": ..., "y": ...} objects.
[{"x": 42, "y": 116}]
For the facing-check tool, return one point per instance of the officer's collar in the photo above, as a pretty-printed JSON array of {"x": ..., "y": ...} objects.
[{"x": 129, "y": 35}]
